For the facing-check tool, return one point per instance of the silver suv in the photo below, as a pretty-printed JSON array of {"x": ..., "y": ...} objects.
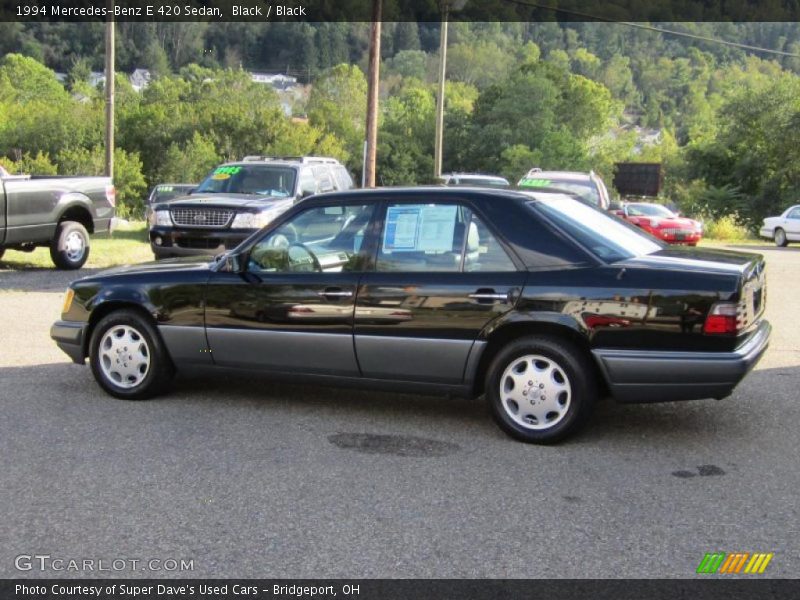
[{"x": 587, "y": 186}]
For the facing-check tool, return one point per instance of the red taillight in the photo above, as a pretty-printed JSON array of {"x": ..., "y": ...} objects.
[
  {"x": 722, "y": 319},
  {"x": 111, "y": 195}
]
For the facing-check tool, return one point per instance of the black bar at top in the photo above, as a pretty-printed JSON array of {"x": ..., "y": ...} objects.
[{"x": 401, "y": 10}]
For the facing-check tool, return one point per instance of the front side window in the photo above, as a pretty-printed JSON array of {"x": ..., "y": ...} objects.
[
  {"x": 794, "y": 214},
  {"x": 319, "y": 239},
  {"x": 261, "y": 180},
  {"x": 438, "y": 238}
]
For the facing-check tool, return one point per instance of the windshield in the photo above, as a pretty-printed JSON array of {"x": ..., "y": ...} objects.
[
  {"x": 607, "y": 236},
  {"x": 167, "y": 192},
  {"x": 586, "y": 190},
  {"x": 261, "y": 180},
  {"x": 649, "y": 210}
]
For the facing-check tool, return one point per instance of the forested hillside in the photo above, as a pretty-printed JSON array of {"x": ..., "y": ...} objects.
[{"x": 582, "y": 95}]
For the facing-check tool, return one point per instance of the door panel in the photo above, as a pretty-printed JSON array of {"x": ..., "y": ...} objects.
[
  {"x": 422, "y": 326},
  {"x": 440, "y": 278},
  {"x": 292, "y": 307},
  {"x": 283, "y": 321}
]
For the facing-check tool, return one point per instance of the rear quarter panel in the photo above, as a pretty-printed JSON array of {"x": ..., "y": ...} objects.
[{"x": 634, "y": 307}]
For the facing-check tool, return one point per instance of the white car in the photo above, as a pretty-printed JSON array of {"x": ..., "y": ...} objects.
[{"x": 783, "y": 229}]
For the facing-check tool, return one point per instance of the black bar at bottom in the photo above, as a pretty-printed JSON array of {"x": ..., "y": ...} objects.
[{"x": 399, "y": 589}]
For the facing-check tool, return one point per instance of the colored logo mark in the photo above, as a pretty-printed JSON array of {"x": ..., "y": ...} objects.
[{"x": 734, "y": 562}]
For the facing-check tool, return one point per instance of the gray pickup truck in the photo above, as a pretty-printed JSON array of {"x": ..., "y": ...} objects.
[{"x": 57, "y": 212}]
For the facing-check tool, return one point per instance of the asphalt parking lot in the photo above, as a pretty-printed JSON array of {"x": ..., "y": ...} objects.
[{"x": 248, "y": 478}]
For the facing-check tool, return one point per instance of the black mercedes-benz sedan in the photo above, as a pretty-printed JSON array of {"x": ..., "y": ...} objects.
[{"x": 539, "y": 302}]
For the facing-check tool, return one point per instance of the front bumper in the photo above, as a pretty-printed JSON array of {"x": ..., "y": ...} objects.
[
  {"x": 70, "y": 337},
  {"x": 685, "y": 238},
  {"x": 194, "y": 242},
  {"x": 662, "y": 376}
]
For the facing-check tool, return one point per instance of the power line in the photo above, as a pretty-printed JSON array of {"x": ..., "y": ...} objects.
[{"x": 702, "y": 38}]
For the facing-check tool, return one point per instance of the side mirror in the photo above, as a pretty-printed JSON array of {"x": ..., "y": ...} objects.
[{"x": 231, "y": 263}]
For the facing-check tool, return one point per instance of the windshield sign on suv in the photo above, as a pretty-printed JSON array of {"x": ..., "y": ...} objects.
[{"x": 260, "y": 180}]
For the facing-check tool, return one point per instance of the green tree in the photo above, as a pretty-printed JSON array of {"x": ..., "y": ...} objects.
[
  {"x": 128, "y": 178},
  {"x": 337, "y": 105}
]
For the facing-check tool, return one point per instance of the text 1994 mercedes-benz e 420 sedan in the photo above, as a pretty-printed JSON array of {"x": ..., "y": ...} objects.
[{"x": 539, "y": 302}]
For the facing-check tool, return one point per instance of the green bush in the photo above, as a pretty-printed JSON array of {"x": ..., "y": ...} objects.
[
  {"x": 726, "y": 228},
  {"x": 128, "y": 178},
  {"x": 40, "y": 164}
]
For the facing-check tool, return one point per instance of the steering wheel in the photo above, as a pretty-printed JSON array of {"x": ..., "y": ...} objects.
[{"x": 300, "y": 258}]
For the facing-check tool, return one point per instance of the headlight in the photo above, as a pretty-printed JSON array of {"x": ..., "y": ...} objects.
[
  {"x": 160, "y": 218},
  {"x": 256, "y": 220},
  {"x": 68, "y": 297}
]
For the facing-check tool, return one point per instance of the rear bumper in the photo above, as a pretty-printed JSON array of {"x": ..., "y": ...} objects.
[
  {"x": 170, "y": 241},
  {"x": 69, "y": 336},
  {"x": 659, "y": 376}
]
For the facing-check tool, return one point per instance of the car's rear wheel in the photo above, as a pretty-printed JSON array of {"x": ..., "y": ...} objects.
[
  {"x": 70, "y": 247},
  {"x": 780, "y": 238},
  {"x": 128, "y": 358},
  {"x": 540, "y": 389}
]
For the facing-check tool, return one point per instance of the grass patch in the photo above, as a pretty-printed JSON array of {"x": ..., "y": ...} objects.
[{"x": 127, "y": 245}]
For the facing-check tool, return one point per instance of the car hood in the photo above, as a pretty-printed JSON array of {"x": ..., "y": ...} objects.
[
  {"x": 671, "y": 222},
  {"x": 172, "y": 265},
  {"x": 224, "y": 201},
  {"x": 697, "y": 259}
]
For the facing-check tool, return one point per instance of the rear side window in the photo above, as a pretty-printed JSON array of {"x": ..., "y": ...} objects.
[
  {"x": 607, "y": 237},
  {"x": 343, "y": 179},
  {"x": 438, "y": 238},
  {"x": 324, "y": 179}
]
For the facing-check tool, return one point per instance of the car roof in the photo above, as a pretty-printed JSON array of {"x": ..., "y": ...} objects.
[
  {"x": 559, "y": 175},
  {"x": 276, "y": 162},
  {"x": 473, "y": 176},
  {"x": 430, "y": 191}
]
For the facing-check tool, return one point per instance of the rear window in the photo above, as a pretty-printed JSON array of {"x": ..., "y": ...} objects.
[{"x": 605, "y": 235}]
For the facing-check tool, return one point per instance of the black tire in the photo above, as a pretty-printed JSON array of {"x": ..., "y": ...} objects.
[
  {"x": 780, "y": 238},
  {"x": 70, "y": 247},
  {"x": 159, "y": 372},
  {"x": 572, "y": 372}
]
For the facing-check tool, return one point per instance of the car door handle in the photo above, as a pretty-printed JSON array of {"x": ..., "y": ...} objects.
[
  {"x": 489, "y": 294},
  {"x": 335, "y": 293}
]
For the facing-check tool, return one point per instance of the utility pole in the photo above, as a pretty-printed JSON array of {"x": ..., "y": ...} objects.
[
  {"x": 437, "y": 146},
  {"x": 373, "y": 81},
  {"x": 110, "y": 96}
]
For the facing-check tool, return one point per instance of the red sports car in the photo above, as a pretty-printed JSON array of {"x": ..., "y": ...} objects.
[{"x": 662, "y": 223}]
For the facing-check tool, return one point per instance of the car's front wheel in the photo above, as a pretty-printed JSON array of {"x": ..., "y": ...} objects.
[
  {"x": 540, "y": 389},
  {"x": 780, "y": 238},
  {"x": 128, "y": 358}
]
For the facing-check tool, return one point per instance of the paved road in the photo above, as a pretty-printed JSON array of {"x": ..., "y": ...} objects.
[{"x": 249, "y": 478}]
